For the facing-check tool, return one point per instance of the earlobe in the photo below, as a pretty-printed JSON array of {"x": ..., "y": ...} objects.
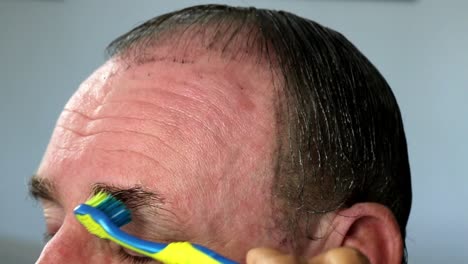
[{"x": 370, "y": 228}]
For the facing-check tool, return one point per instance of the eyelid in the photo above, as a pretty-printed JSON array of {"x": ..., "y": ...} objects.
[
  {"x": 135, "y": 258},
  {"x": 128, "y": 255},
  {"x": 54, "y": 216}
]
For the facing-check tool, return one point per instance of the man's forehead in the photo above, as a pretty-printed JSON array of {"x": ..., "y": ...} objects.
[
  {"x": 230, "y": 88},
  {"x": 197, "y": 135},
  {"x": 124, "y": 108}
]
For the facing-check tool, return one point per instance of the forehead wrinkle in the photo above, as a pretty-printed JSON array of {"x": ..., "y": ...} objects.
[
  {"x": 225, "y": 101},
  {"x": 97, "y": 87},
  {"x": 111, "y": 121},
  {"x": 94, "y": 141},
  {"x": 88, "y": 133},
  {"x": 76, "y": 120},
  {"x": 177, "y": 108},
  {"x": 170, "y": 94},
  {"x": 72, "y": 117}
]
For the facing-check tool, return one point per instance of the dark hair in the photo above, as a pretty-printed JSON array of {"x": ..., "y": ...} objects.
[{"x": 342, "y": 140}]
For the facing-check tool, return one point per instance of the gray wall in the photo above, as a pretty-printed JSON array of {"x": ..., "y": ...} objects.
[{"x": 48, "y": 47}]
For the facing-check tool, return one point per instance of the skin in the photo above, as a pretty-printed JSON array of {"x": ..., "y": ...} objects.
[
  {"x": 340, "y": 255},
  {"x": 199, "y": 134}
]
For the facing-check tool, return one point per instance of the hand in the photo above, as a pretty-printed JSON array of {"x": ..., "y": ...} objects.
[{"x": 342, "y": 255}]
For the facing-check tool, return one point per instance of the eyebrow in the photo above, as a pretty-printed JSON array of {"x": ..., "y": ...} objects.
[
  {"x": 138, "y": 200},
  {"x": 146, "y": 206},
  {"x": 41, "y": 188},
  {"x": 135, "y": 198}
]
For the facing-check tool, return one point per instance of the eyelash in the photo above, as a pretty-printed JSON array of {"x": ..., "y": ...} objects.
[
  {"x": 46, "y": 237},
  {"x": 134, "y": 259}
]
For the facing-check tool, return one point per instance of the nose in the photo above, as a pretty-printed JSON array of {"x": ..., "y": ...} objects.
[{"x": 73, "y": 244}]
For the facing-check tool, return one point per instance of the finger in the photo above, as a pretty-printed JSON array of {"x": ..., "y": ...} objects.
[
  {"x": 271, "y": 256},
  {"x": 342, "y": 255}
]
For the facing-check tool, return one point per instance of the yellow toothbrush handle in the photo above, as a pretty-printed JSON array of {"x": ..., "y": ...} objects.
[{"x": 183, "y": 253}]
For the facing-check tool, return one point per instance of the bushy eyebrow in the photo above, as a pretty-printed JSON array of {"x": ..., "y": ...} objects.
[
  {"x": 146, "y": 206},
  {"x": 135, "y": 198},
  {"x": 41, "y": 188},
  {"x": 148, "y": 211}
]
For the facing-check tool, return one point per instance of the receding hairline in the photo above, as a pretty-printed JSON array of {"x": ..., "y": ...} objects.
[{"x": 237, "y": 37}]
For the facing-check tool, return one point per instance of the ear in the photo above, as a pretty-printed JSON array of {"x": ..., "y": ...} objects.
[{"x": 370, "y": 228}]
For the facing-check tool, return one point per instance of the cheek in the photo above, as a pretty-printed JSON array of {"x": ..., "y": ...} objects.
[{"x": 73, "y": 245}]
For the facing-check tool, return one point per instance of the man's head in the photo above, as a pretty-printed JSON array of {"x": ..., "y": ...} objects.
[{"x": 234, "y": 128}]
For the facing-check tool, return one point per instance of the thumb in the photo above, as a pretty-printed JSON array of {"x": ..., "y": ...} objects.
[
  {"x": 271, "y": 256},
  {"x": 341, "y": 255}
]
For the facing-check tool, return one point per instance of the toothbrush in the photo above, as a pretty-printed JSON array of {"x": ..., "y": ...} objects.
[{"x": 103, "y": 215}]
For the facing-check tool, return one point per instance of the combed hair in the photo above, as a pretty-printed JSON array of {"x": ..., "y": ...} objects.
[{"x": 342, "y": 140}]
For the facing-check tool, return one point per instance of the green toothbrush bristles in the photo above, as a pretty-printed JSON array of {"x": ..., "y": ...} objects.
[{"x": 112, "y": 207}]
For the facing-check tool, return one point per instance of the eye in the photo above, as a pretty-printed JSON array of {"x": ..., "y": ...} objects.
[
  {"x": 46, "y": 237},
  {"x": 135, "y": 258},
  {"x": 53, "y": 215}
]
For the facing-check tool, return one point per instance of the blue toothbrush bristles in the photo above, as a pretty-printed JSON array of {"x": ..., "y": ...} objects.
[{"x": 115, "y": 210}]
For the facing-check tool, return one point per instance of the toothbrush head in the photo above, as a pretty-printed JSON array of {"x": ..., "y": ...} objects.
[
  {"x": 103, "y": 215},
  {"x": 113, "y": 208}
]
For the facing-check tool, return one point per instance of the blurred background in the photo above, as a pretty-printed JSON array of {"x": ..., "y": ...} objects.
[{"x": 421, "y": 47}]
